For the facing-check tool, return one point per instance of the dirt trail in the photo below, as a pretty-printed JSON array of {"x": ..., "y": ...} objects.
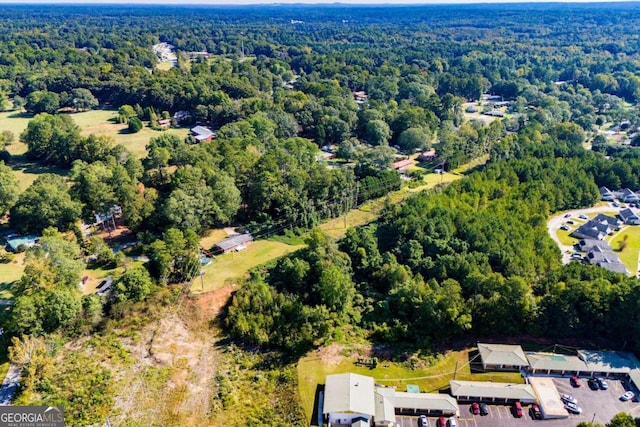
[{"x": 176, "y": 361}]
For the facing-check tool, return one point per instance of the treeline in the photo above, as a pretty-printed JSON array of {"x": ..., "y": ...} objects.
[{"x": 474, "y": 259}]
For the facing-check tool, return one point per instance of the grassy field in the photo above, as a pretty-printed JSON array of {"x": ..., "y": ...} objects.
[
  {"x": 10, "y": 272},
  {"x": 628, "y": 256},
  {"x": 565, "y": 238},
  {"x": 232, "y": 267},
  {"x": 313, "y": 368},
  {"x": 99, "y": 122}
]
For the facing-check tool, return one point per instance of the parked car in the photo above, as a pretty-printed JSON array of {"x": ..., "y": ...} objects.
[
  {"x": 517, "y": 407},
  {"x": 452, "y": 422},
  {"x": 615, "y": 204},
  {"x": 564, "y": 227},
  {"x": 484, "y": 409},
  {"x": 567, "y": 398},
  {"x": 422, "y": 421},
  {"x": 602, "y": 383},
  {"x": 573, "y": 408},
  {"x": 628, "y": 395},
  {"x": 575, "y": 381},
  {"x": 593, "y": 384},
  {"x": 567, "y": 215},
  {"x": 583, "y": 217},
  {"x": 576, "y": 256},
  {"x": 475, "y": 408},
  {"x": 536, "y": 414},
  {"x": 570, "y": 222},
  {"x": 442, "y": 422}
]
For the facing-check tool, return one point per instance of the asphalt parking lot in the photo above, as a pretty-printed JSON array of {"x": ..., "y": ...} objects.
[{"x": 597, "y": 405}]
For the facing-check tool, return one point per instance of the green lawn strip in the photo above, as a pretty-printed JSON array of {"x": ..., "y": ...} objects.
[
  {"x": 565, "y": 237},
  {"x": 629, "y": 255},
  {"x": 312, "y": 370},
  {"x": 232, "y": 267}
]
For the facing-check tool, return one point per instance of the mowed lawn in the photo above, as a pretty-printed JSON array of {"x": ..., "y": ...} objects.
[
  {"x": 629, "y": 255},
  {"x": 98, "y": 122},
  {"x": 9, "y": 273},
  {"x": 234, "y": 266},
  {"x": 313, "y": 369}
]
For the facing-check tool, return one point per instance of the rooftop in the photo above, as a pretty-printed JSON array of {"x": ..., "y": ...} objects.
[
  {"x": 609, "y": 361},
  {"x": 234, "y": 241},
  {"x": 502, "y": 354},
  {"x": 483, "y": 389},
  {"x": 351, "y": 393},
  {"x": 556, "y": 362}
]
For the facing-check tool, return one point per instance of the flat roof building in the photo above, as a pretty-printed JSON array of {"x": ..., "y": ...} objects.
[
  {"x": 490, "y": 391},
  {"x": 502, "y": 357},
  {"x": 548, "y": 398}
]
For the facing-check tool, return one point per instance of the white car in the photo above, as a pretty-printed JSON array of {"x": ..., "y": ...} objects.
[
  {"x": 567, "y": 398},
  {"x": 573, "y": 408},
  {"x": 628, "y": 395},
  {"x": 583, "y": 217}
]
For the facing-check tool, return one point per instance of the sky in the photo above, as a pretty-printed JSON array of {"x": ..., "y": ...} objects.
[{"x": 237, "y": 2}]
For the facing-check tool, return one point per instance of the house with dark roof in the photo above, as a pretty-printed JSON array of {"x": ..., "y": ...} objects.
[
  {"x": 606, "y": 194},
  {"x": 629, "y": 217},
  {"x": 612, "y": 221},
  {"x": 599, "y": 255},
  {"x": 202, "y": 134},
  {"x": 592, "y": 230},
  {"x": 628, "y": 196},
  {"x": 233, "y": 243}
]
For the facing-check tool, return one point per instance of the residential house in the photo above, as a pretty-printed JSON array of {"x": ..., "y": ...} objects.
[
  {"x": 592, "y": 230},
  {"x": 428, "y": 156},
  {"x": 628, "y": 196},
  {"x": 611, "y": 221},
  {"x": 164, "y": 123},
  {"x": 402, "y": 164},
  {"x": 202, "y": 134},
  {"x": 181, "y": 115},
  {"x": 629, "y": 217},
  {"x": 234, "y": 243},
  {"x": 606, "y": 194},
  {"x": 606, "y": 259},
  {"x": 586, "y": 245}
]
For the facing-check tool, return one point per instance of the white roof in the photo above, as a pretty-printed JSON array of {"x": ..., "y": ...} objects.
[
  {"x": 484, "y": 389},
  {"x": 349, "y": 393},
  {"x": 548, "y": 397},
  {"x": 609, "y": 361},
  {"x": 385, "y": 411},
  {"x": 502, "y": 354}
]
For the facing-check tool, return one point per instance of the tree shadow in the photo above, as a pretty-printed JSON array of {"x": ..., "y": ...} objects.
[
  {"x": 20, "y": 115},
  {"x": 21, "y": 163}
]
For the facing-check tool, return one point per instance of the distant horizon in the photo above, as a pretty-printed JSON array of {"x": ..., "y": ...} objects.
[{"x": 299, "y": 2}]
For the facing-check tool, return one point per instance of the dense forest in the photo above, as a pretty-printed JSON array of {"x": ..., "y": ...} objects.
[{"x": 277, "y": 84}]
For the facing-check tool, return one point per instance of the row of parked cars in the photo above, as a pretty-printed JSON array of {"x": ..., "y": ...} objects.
[
  {"x": 442, "y": 422},
  {"x": 482, "y": 409}
]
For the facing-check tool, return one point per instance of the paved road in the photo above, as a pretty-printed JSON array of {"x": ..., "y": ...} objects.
[
  {"x": 555, "y": 222},
  {"x": 9, "y": 386}
]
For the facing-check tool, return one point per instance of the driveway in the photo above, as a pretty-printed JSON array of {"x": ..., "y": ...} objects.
[
  {"x": 556, "y": 221},
  {"x": 9, "y": 385}
]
